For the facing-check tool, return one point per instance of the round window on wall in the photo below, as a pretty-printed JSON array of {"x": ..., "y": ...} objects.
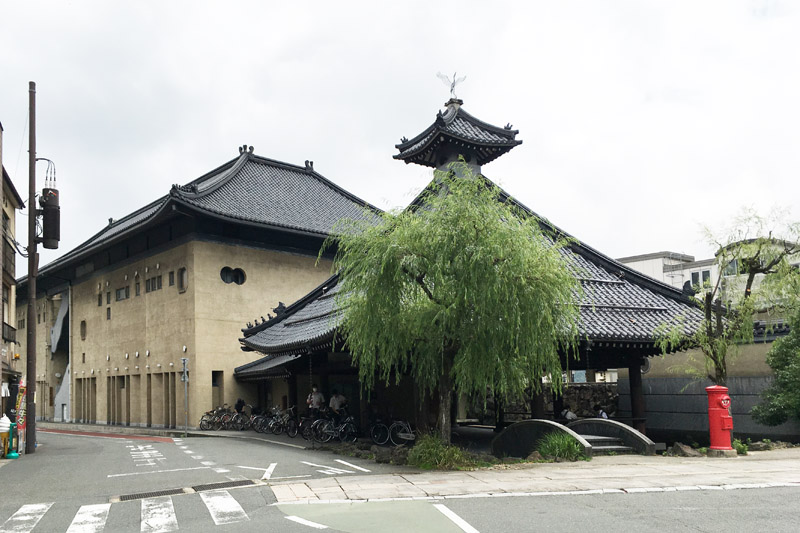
[{"x": 232, "y": 275}]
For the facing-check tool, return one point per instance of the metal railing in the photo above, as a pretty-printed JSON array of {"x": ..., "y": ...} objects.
[{"x": 9, "y": 333}]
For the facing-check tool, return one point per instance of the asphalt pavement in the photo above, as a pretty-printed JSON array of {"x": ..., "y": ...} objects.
[{"x": 85, "y": 479}]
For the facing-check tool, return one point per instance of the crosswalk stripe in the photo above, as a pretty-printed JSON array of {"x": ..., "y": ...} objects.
[
  {"x": 90, "y": 518},
  {"x": 158, "y": 515},
  {"x": 223, "y": 507},
  {"x": 26, "y": 518}
]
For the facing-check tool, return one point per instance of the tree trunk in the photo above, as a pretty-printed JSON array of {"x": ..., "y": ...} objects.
[{"x": 445, "y": 393}]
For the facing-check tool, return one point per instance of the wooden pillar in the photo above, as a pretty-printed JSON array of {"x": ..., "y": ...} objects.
[
  {"x": 537, "y": 404},
  {"x": 292, "y": 382},
  {"x": 558, "y": 405},
  {"x": 637, "y": 396}
]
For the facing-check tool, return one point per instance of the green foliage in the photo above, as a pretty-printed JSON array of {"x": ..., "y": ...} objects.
[
  {"x": 431, "y": 453},
  {"x": 740, "y": 447},
  {"x": 703, "y": 450},
  {"x": 560, "y": 445},
  {"x": 464, "y": 285},
  {"x": 781, "y": 400},
  {"x": 755, "y": 247}
]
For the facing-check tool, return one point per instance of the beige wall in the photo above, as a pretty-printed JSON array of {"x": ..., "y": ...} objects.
[
  {"x": 206, "y": 318},
  {"x": 224, "y": 308},
  {"x": 743, "y": 361}
]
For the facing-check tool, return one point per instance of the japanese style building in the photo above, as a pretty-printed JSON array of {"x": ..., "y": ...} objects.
[
  {"x": 620, "y": 310},
  {"x": 176, "y": 279}
]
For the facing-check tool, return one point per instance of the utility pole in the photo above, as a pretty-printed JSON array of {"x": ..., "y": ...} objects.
[{"x": 33, "y": 266}]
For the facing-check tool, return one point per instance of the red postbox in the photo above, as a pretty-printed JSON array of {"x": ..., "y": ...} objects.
[{"x": 720, "y": 422}]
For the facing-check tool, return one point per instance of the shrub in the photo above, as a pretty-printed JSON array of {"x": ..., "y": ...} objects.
[
  {"x": 560, "y": 445},
  {"x": 740, "y": 447},
  {"x": 431, "y": 453}
]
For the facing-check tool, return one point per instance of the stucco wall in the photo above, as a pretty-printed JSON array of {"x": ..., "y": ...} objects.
[{"x": 676, "y": 403}]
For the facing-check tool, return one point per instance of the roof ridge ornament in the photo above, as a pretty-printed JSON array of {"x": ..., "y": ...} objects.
[
  {"x": 452, "y": 83},
  {"x": 244, "y": 148}
]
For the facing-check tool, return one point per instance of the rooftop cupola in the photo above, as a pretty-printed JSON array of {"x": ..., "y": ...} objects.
[{"x": 456, "y": 133}]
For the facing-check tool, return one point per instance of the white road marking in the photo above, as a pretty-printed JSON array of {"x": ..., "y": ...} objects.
[
  {"x": 158, "y": 471},
  {"x": 290, "y": 477},
  {"x": 457, "y": 520},
  {"x": 158, "y": 515},
  {"x": 223, "y": 507},
  {"x": 26, "y": 518},
  {"x": 188, "y": 452},
  {"x": 267, "y": 471},
  {"x": 90, "y": 518},
  {"x": 197, "y": 457},
  {"x": 345, "y": 463},
  {"x": 284, "y": 444},
  {"x": 330, "y": 470},
  {"x": 208, "y": 463},
  {"x": 305, "y": 522},
  {"x": 221, "y": 470}
]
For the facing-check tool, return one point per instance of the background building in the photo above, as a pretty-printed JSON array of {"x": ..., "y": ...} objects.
[
  {"x": 178, "y": 278},
  {"x": 10, "y": 366}
]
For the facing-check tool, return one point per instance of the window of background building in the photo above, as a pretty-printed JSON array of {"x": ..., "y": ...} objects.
[
  {"x": 108, "y": 313},
  {"x": 172, "y": 278},
  {"x": 232, "y": 275},
  {"x": 695, "y": 278},
  {"x": 100, "y": 300},
  {"x": 21, "y": 323},
  {"x": 108, "y": 297},
  {"x": 83, "y": 333},
  {"x": 706, "y": 276},
  {"x": 138, "y": 289},
  {"x": 83, "y": 357},
  {"x": 5, "y": 304},
  {"x": 123, "y": 293},
  {"x": 183, "y": 279},
  {"x": 153, "y": 284}
]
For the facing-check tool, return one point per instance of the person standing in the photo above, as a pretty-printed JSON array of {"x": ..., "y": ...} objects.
[
  {"x": 599, "y": 412},
  {"x": 338, "y": 401},
  {"x": 315, "y": 400}
]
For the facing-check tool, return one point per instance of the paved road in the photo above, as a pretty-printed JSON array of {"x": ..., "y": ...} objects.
[{"x": 75, "y": 484}]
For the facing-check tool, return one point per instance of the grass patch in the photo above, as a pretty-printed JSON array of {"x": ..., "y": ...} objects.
[
  {"x": 740, "y": 447},
  {"x": 430, "y": 453},
  {"x": 560, "y": 446}
]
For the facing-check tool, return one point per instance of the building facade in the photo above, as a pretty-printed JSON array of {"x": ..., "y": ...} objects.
[
  {"x": 11, "y": 366},
  {"x": 177, "y": 279}
]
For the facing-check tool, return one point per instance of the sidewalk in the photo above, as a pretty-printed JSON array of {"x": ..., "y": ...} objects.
[{"x": 622, "y": 473}]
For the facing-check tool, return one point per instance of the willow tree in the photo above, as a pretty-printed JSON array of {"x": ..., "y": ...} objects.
[{"x": 461, "y": 291}]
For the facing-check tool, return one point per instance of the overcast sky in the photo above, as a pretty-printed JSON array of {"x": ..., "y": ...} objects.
[{"x": 641, "y": 121}]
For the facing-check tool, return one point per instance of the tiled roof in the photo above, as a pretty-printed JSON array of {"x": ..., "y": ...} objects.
[
  {"x": 275, "y": 194},
  {"x": 618, "y": 304},
  {"x": 249, "y": 189},
  {"x": 309, "y": 321},
  {"x": 460, "y": 129}
]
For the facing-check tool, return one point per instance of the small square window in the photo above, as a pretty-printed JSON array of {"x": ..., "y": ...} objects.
[
  {"x": 108, "y": 313},
  {"x": 138, "y": 289},
  {"x": 108, "y": 297},
  {"x": 147, "y": 285},
  {"x": 695, "y": 278},
  {"x": 183, "y": 279},
  {"x": 706, "y": 276},
  {"x": 159, "y": 282},
  {"x": 171, "y": 279}
]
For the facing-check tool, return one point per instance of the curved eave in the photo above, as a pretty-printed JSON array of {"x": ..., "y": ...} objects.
[
  {"x": 305, "y": 344},
  {"x": 423, "y": 153}
]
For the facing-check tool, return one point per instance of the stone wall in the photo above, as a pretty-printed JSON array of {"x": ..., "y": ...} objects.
[{"x": 579, "y": 397}]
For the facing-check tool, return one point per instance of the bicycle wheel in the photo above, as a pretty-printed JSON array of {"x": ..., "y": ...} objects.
[
  {"x": 276, "y": 426},
  {"x": 305, "y": 429},
  {"x": 348, "y": 432},
  {"x": 291, "y": 427},
  {"x": 379, "y": 434},
  {"x": 237, "y": 422},
  {"x": 216, "y": 423},
  {"x": 396, "y": 431},
  {"x": 323, "y": 431},
  {"x": 205, "y": 424}
]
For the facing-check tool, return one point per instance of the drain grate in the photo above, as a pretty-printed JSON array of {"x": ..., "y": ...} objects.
[
  {"x": 143, "y": 495},
  {"x": 223, "y": 485}
]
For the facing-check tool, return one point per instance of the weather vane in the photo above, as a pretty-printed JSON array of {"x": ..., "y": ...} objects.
[{"x": 452, "y": 83}]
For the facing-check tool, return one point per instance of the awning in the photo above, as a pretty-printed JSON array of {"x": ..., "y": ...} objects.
[{"x": 269, "y": 367}]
